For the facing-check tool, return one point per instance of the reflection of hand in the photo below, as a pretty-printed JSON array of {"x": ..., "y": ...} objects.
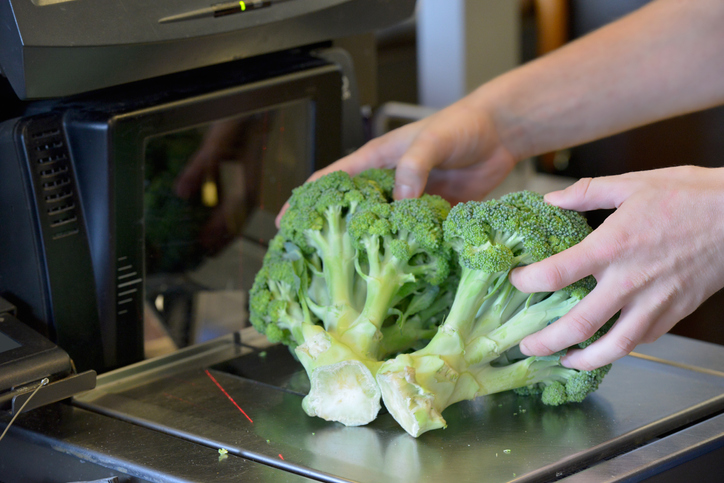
[
  {"x": 656, "y": 258},
  {"x": 219, "y": 143},
  {"x": 225, "y": 161},
  {"x": 455, "y": 153}
]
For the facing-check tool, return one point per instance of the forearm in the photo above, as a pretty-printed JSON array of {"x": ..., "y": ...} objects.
[{"x": 663, "y": 60}]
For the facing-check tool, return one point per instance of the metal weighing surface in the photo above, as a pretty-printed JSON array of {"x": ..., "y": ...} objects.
[
  {"x": 62, "y": 443},
  {"x": 224, "y": 395}
]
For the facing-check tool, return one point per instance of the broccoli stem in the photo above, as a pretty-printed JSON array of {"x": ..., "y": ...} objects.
[
  {"x": 398, "y": 339},
  {"x": 488, "y": 347},
  {"x": 334, "y": 248},
  {"x": 342, "y": 384},
  {"x": 491, "y": 380},
  {"x": 498, "y": 309},
  {"x": 474, "y": 288}
]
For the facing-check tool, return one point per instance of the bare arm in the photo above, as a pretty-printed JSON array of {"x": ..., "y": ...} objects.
[{"x": 663, "y": 60}]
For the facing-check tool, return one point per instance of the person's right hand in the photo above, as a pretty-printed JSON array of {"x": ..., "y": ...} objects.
[{"x": 455, "y": 153}]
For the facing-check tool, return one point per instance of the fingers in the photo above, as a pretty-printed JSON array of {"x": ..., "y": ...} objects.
[
  {"x": 644, "y": 318},
  {"x": 559, "y": 270},
  {"x": 631, "y": 329},
  {"x": 592, "y": 194},
  {"x": 191, "y": 178},
  {"x": 383, "y": 152},
  {"x": 578, "y": 325}
]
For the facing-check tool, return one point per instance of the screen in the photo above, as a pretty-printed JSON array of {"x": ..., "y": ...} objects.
[
  {"x": 7, "y": 344},
  {"x": 212, "y": 193}
]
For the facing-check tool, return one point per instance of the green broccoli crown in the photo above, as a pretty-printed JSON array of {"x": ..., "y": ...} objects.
[
  {"x": 574, "y": 387},
  {"x": 517, "y": 229},
  {"x": 409, "y": 229},
  {"x": 333, "y": 197},
  {"x": 560, "y": 385},
  {"x": 275, "y": 287},
  {"x": 561, "y": 229},
  {"x": 421, "y": 219},
  {"x": 384, "y": 179},
  {"x": 489, "y": 235},
  {"x": 372, "y": 221}
]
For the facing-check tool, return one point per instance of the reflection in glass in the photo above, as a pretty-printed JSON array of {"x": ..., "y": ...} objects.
[{"x": 211, "y": 195}]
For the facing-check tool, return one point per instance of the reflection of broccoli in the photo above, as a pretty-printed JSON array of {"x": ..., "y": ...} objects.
[
  {"x": 172, "y": 224},
  {"x": 475, "y": 350},
  {"x": 352, "y": 278}
]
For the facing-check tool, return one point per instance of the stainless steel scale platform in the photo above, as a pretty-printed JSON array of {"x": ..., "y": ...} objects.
[{"x": 657, "y": 412}]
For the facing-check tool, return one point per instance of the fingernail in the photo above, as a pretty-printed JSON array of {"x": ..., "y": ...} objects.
[
  {"x": 403, "y": 191},
  {"x": 565, "y": 363},
  {"x": 524, "y": 349},
  {"x": 550, "y": 197}
]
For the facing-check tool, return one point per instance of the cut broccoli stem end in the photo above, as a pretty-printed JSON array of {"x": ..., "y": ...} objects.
[
  {"x": 417, "y": 388},
  {"x": 409, "y": 404},
  {"x": 343, "y": 386},
  {"x": 345, "y": 392}
]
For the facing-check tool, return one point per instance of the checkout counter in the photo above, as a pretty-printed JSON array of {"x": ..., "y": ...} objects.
[{"x": 230, "y": 410}]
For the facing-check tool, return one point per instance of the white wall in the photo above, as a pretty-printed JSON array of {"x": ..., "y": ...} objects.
[{"x": 463, "y": 43}]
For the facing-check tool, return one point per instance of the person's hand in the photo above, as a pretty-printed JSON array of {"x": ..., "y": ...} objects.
[
  {"x": 455, "y": 153},
  {"x": 656, "y": 258}
]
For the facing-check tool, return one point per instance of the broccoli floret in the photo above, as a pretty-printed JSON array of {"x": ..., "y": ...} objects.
[
  {"x": 349, "y": 266},
  {"x": 472, "y": 353},
  {"x": 401, "y": 246}
]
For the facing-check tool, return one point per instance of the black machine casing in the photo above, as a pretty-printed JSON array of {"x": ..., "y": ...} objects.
[
  {"x": 61, "y": 48},
  {"x": 72, "y": 190}
]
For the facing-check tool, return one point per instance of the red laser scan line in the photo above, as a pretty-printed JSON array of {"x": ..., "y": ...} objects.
[{"x": 227, "y": 395}]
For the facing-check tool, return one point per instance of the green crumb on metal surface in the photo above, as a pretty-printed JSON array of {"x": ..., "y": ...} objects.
[{"x": 223, "y": 454}]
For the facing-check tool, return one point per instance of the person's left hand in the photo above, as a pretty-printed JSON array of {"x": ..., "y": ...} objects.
[{"x": 656, "y": 259}]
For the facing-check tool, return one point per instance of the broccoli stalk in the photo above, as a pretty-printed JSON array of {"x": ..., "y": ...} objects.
[
  {"x": 470, "y": 355},
  {"x": 346, "y": 261}
]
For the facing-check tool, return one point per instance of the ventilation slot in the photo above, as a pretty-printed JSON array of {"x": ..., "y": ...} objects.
[
  {"x": 49, "y": 145},
  {"x": 56, "y": 210},
  {"x": 47, "y": 173},
  {"x": 46, "y": 133},
  {"x": 51, "y": 185},
  {"x": 52, "y": 159},
  {"x": 49, "y": 158},
  {"x": 60, "y": 195},
  {"x": 65, "y": 233},
  {"x": 63, "y": 221}
]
